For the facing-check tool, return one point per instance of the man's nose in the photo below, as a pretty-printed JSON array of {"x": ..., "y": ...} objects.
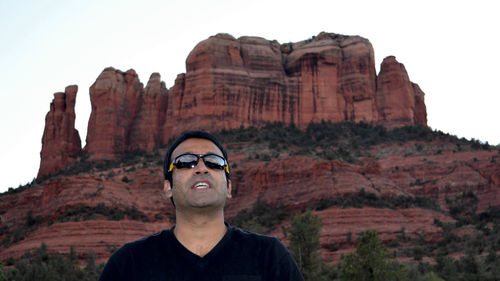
[{"x": 200, "y": 168}]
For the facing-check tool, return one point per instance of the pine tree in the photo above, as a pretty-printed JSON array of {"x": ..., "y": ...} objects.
[
  {"x": 304, "y": 246},
  {"x": 371, "y": 261}
]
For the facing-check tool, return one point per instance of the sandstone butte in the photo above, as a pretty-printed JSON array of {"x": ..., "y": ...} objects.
[
  {"x": 236, "y": 82},
  {"x": 246, "y": 82}
]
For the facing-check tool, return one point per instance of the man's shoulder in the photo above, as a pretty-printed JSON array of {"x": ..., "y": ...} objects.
[
  {"x": 252, "y": 236},
  {"x": 268, "y": 252},
  {"x": 259, "y": 241},
  {"x": 145, "y": 244}
]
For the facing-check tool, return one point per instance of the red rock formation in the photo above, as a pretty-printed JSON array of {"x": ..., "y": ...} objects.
[
  {"x": 115, "y": 98},
  {"x": 61, "y": 143},
  {"x": 399, "y": 101},
  {"x": 147, "y": 128},
  {"x": 230, "y": 83},
  {"x": 248, "y": 82}
]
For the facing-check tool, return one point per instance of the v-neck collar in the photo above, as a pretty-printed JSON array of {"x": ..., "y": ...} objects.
[{"x": 193, "y": 258}]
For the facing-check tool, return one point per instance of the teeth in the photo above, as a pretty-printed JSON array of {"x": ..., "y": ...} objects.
[{"x": 201, "y": 185}]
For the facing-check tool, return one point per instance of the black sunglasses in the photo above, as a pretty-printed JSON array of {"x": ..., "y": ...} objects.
[{"x": 189, "y": 160}]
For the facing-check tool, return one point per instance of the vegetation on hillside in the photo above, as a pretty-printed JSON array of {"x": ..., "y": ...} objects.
[
  {"x": 476, "y": 252},
  {"x": 42, "y": 265},
  {"x": 261, "y": 218},
  {"x": 364, "y": 198},
  {"x": 345, "y": 141},
  {"x": 84, "y": 212},
  {"x": 10, "y": 237},
  {"x": 371, "y": 261}
]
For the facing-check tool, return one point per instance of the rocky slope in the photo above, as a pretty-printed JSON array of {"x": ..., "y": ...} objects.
[{"x": 64, "y": 209}]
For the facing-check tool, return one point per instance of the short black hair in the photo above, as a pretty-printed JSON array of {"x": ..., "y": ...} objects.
[{"x": 191, "y": 135}]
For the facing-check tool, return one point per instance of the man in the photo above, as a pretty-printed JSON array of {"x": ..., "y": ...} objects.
[{"x": 201, "y": 246}]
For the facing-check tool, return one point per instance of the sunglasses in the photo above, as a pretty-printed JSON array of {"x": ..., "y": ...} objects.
[{"x": 189, "y": 160}]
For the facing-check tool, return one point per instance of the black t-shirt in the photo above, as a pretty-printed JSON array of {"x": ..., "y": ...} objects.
[{"x": 240, "y": 255}]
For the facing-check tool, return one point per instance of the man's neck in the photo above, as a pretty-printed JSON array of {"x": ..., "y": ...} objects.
[{"x": 199, "y": 234}]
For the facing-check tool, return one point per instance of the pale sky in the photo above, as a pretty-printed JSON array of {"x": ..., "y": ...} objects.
[{"x": 450, "y": 48}]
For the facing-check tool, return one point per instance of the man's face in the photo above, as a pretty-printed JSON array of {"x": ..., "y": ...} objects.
[{"x": 198, "y": 187}]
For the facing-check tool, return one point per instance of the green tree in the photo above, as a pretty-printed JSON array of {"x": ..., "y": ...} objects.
[
  {"x": 304, "y": 246},
  {"x": 446, "y": 267},
  {"x": 370, "y": 261}
]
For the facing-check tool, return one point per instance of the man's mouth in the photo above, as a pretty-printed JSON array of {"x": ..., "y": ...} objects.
[{"x": 201, "y": 185}]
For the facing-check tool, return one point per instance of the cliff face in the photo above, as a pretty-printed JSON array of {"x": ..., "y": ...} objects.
[
  {"x": 115, "y": 101},
  {"x": 125, "y": 116},
  {"x": 246, "y": 82},
  {"x": 147, "y": 128},
  {"x": 249, "y": 81},
  {"x": 61, "y": 143}
]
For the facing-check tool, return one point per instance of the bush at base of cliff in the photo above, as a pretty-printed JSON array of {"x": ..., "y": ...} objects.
[{"x": 42, "y": 265}]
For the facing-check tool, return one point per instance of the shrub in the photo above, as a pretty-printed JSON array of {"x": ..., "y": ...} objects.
[
  {"x": 84, "y": 212},
  {"x": 42, "y": 265},
  {"x": 261, "y": 218},
  {"x": 364, "y": 198},
  {"x": 126, "y": 179}
]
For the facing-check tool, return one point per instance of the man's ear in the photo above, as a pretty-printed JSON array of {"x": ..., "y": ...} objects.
[
  {"x": 167, "y": 188},
  {"x": 229, "y": 188}
]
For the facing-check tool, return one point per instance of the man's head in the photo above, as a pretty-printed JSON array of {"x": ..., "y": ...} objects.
[{"x": 194, "y": 168}]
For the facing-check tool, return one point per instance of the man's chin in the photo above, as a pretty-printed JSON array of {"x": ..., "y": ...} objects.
[{"x": 206, "y": 205}]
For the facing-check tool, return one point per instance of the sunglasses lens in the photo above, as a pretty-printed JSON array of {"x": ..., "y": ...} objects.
[
  {"x": 186, "y": 161},
  {"x": 214, "y": 161}
]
